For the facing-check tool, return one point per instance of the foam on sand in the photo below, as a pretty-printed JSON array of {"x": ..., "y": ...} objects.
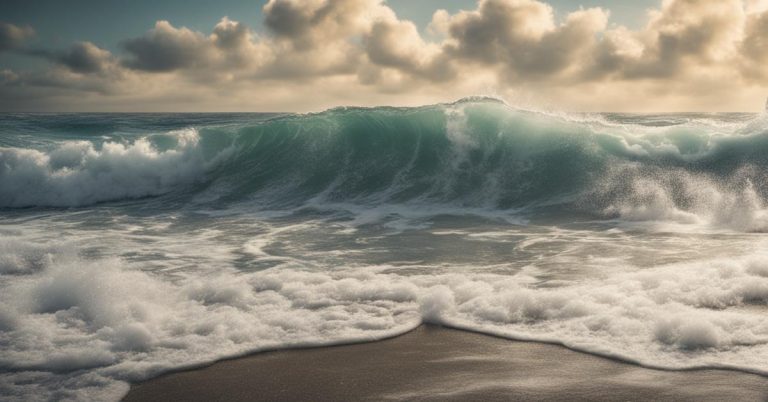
[
  {"x": 76, "y": 323},
  {"x": 138, "y": 252},
  {"x": 434, "y": 363}
]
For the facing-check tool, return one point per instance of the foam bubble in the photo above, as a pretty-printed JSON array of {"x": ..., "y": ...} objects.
[
  {"x": 688, "y": 334},
  {"x": 436, "y": 303},
  {"x": 18, "y": 258},
  {"x": 79, "y": 173},
  {"x": 79, "y": 318},
  {"x": 76, "y": 318},
  {"x": 636, "y": 193}
]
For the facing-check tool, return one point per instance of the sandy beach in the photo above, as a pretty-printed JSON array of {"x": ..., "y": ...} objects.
[
  {"x": 435, "y": 363},
  {"x": 384, "y": 200}
]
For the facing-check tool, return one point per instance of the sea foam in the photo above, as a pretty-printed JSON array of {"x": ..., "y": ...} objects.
[
  {"x": 78, "y": 173},
  {"x": 78, "y": 322},
  {"x": 640, "y": 240}
]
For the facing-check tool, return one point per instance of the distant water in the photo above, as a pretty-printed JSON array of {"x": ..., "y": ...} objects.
[{"x": 134, "y": 244}]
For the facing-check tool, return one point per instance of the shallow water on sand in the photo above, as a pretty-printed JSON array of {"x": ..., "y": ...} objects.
[{"x": 135, "y": 244}]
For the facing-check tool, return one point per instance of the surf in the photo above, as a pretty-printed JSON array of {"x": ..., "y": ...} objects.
[
  {"x": 477, "y": 153},
  {"x": 134, "y": 245}
]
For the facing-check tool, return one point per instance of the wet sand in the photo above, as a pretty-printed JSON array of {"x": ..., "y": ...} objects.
[{"x": 434, "y": 363}]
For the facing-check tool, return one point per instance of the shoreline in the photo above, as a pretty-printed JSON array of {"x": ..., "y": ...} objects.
[{"x": 439, "y": 363}]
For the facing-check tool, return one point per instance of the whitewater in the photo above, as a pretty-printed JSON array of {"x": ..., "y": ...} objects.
[{"x": 132, "y": 245}]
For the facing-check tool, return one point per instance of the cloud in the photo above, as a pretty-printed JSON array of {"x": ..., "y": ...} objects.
[
  {"x": 396, "y": 44},
  {"x": 523, "y": 39},
  {"x": 307, "y": 23},
  {"x": 232, "y": 35},
  {"x": 81, "y": 57},
  {"x": 13, "y": 36},
  {"x": 166, "y": 48},
  {"x": 498, "y": 29},
  {"x": 689, "y": 53},
  {"x": 755, "y": 47},
  {"x": 85, "y": 57},
  {"x": 685, "y": 34}
]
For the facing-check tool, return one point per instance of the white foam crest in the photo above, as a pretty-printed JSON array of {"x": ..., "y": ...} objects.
[
  {"x": 80, "y": 173},
  {"x": 19, "y": 258},
  {"x": 85, "y": 322},
  {"x": 676, "y": 316},
  {"x": 457, "y": 132},
  {"x": 86, "y": 327},
  {"x": 681, "y": 197}
]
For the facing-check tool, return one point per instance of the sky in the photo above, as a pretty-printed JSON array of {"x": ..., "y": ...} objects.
[{"x": 309, "y": 55}]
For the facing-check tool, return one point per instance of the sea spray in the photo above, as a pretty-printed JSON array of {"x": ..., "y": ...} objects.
[{"x": 134, "y": 245}]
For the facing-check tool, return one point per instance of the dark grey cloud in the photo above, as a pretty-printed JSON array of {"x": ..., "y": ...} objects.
[
  {"x": 12, "y": 36},
  {"x": 309, "y": 23},
  {"x": 81, "y": 57},
  {"x": 287, "y": 18},
  {"x": 166, "y": 48},
  {"x": 85, "y": 57},
  {"x": 230, "y": 47}
]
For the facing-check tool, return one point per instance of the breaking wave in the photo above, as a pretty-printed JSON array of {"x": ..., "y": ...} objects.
[
  {"x": 474, "y": 153},
  {"x": 126, "y": 254}
]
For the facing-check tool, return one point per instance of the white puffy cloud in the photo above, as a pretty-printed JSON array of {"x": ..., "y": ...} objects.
[
  {"x": 690, "y": 54},
  {"x": 683, "y": 35},
  {"x": 396, "y": 44}
]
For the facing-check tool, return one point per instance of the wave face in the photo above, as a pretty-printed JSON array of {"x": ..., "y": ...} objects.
[
  {"x": 132, "y": 245},
  {"x": 474, "y": 153}
]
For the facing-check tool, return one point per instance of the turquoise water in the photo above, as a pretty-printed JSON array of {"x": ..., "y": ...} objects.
[{"x": 133, "y": 244}]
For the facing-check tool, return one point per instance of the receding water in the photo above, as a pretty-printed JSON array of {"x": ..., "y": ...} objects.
[{"x": 135, "y": 244}]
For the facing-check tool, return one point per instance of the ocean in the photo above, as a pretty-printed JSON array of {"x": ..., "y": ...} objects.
[{"x": 136, "y": 244}]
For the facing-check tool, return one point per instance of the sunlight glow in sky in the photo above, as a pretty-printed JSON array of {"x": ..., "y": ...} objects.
[{"x": 245, "y": 55}]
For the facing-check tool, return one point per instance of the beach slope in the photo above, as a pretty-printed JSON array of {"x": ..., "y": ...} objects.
[{"x": 435, "y": 363}]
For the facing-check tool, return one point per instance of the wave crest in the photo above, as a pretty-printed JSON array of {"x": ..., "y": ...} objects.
[
  {"x": 80, "y": 173},
  {"x": 475, "y": 153}
]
